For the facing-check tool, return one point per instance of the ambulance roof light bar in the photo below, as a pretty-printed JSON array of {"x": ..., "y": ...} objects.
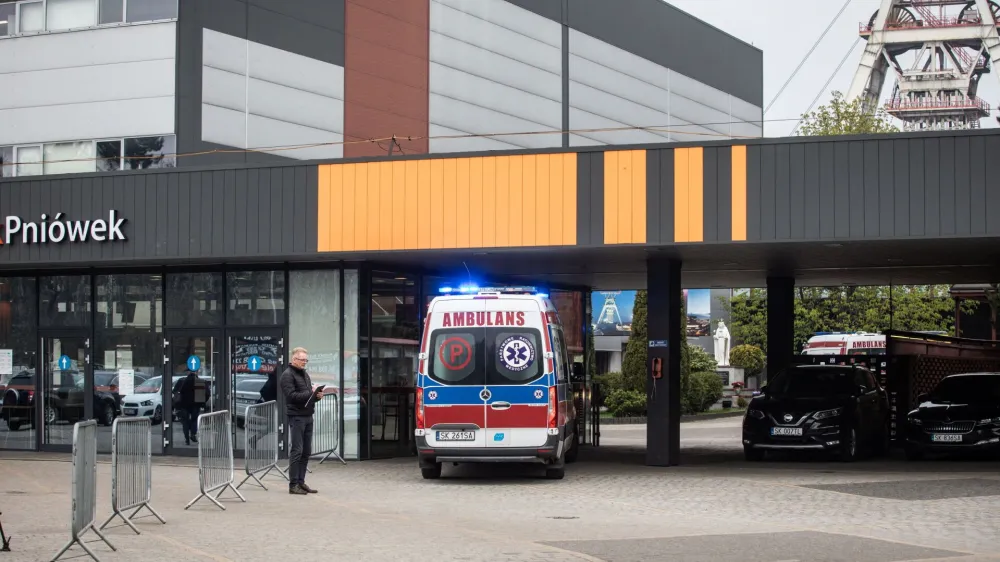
[{"x": 473, "y": 289}]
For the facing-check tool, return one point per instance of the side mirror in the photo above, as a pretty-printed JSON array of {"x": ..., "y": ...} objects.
[
  {"x": 862, "y": 390},
  {"x": 577, "y": 371}
]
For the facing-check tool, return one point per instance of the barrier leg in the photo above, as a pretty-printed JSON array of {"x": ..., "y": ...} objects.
[
  {"x": 230, "y": 486},
  {"x": 249, "y": 476},
  {"x": 4, "y": 539},
  {"x": 204, "y": 495},
  {"x": 125, "y": 519},
  {"x": 275, "y": 467},
  {"x": 103, "y": 538},
  {"x": 151, "y": 510},
  {"x": 334, "y": 453}
]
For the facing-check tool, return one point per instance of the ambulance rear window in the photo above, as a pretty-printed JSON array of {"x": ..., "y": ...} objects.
[{"x": 481, "y": 356}]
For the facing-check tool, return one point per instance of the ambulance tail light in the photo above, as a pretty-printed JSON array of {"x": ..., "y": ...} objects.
[
  {"x": 419, "y": 407},
  {"x": 553, "y": 412}
]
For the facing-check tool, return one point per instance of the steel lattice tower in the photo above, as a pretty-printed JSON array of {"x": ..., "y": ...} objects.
[{"x": 953, "y": 43}]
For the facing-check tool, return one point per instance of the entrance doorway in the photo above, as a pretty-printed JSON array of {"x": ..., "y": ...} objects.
[
  {"x": 186, "y": 353},
  {"x": 254, "y": 356},
  {"x": 65, "y": 391}
]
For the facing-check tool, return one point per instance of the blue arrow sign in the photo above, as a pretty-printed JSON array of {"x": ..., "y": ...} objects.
[
  {"x": 194, "y": 363},
  {"x": 64, "y": 362},
  {"x": 254, "y": 363}
]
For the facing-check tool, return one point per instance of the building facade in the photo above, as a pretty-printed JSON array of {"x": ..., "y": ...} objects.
[{"x": 104, "y": 85}]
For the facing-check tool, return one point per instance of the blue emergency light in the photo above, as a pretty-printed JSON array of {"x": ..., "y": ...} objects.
[{"x": 473, "y": 289}]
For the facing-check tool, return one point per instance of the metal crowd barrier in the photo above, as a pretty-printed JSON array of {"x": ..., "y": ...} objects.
[
  {"x": 261, "y": 439},
  {"x": 131, "y": 469},
  {"x": 326, "y": 428},
  {"x": 84, "y": 510},
  {"x": 215, "y": 456},
  {"x": 4, "y": 539}
]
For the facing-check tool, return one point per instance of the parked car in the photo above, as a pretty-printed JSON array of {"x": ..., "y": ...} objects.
[
  {"x": 247, "y": 394},
  {"x": 961, "y": 415},
  {"x": 146, "y": 401},
  {"x": 834, "y": 408},
  {"x": 65, "y": 401}
]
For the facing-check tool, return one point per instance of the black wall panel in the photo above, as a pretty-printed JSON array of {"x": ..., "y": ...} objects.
[
  {"x": 590, "y": 199},
  {"x": 183, "y": 215}
]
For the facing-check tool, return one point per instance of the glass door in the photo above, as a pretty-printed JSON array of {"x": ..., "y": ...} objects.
[
  {"x": 254, "y": 357},
  {"x": 190, "y": 387},
  {"x": 66, "y": 393}
]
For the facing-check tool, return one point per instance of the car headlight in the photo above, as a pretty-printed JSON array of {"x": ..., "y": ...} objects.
[
  {"x": 822, "y": 415},
  {"x": 755, "y": 414},
  {"x": 989, "y": 421},
  {"x": 147, "y": 403},
  {"x": 916, "y": 421}
]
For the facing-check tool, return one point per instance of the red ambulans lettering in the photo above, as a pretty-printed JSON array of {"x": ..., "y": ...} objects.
[{"x": 473, "y": 319}]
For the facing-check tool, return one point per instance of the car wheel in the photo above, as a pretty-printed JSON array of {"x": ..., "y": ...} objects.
[
  {"x": 13, "y": 425},
  {"x": 754, "y": 455},
  {"x": 432, "y": 472},
  {"x": 158, "y": 414},
  {"x": 51, "y": 414},
  {"x": 849, "y": 448},
  {"x": 107, "y": 415}
]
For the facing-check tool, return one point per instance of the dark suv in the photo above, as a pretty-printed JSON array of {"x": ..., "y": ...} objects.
[
  {"x": 66, "y": 401},
  {"x": 832, "y": 408},
  {"x": 961, "y": 415}
]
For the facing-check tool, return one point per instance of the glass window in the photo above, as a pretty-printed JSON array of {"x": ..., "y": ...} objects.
[
  {"x": 314, "y": 323},
  {"x": 6, "y": 161},
  {"x": 129, "y": 345},
  {"x": 515, "y": 356},
  {"x": 148, "y": 10},
  {"x": 64, "y": 300},
  {"x": 112, "y": 11},
  {"x": 813, "y": 382},
  {"x": 18, "y": 305},
  {"x": 194, "y": 299},
  {"x": 968, "y": 388},
  {"x": 256, "y": 298},
  {"x": 69, "y": 14},
  {"x": 150, "y": 152},
  {"x": 31, "y": 17},
  {"x": 352, "y": 404},
  {"x": 7, "y": 14},
  {"x": 69, "y": 158},
  {"x": 454, "y": 357},
  {"x": 110, "y": 155},
  {"x": 29, "y": 160}
]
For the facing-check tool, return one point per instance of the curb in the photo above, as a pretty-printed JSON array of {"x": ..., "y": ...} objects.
[{"x": 688, "y": 418}]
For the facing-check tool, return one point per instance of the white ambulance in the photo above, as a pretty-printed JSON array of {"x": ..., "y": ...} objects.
[
  {"x": 493, "y": 381},
  {"x": 852, "y": 343}
]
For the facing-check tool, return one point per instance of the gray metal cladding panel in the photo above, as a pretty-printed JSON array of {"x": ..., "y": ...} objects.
[
  {"x": 174, "y": 215},
  {"x": 827, "y": 195},
  {"x": 797, "y": 196},
  {"x": 856, "y": 181},
  {"x": 753, "y": 193},
  {"x": 992, "y": 172},
  {"x": 950, "y": 177},
  {"x": 917, "y": 187},
  {"x": 782, "y": 194},
  {"x": 842, "y": 190},
  {"x": 674, "y": 39},
  {"x": 552, "y": 9},
  {"x": 932, "y": 187},
  {"x": 590, "y": 199},
  {"x": 725, "y": 209},
  {"x": 660, "y": 196},
  {"x": 768, "y": 221},
  {"x": 901, "y": 188},
  {"x": 977, "y": 195},
  {"x": 710, "y": 195}
]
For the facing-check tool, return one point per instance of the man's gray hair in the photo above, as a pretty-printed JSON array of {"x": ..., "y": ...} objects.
[{"x": 298, "y": 350}]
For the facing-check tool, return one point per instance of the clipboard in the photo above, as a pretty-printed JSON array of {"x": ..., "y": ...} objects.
[{"x": 313, "y": 395}]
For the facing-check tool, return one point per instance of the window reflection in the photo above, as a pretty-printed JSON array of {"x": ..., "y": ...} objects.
[
  {"x": 256, "y": 298},
  {"x": 395, "y": 334},
  {"x": 150, "y": 152},
  {"x": 18, "y": 306},
  {"x": 194, "y": 299},
  {"x": 64, "y": 300}
]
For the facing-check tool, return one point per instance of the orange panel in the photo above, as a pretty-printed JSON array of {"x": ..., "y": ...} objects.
[
  {"x": 611, "y": 197},
  {"x": 411, "y": 218},
  {"x": 450, "y": 177},
  {"x": 543, "y": 213},
  {"x": 374, "y": 200},
  {"x": 681, "y": 187},
  {"x": 350, "y": 211},
  {"x": 515, "y": 217},
  {"x": 625, "y": 197},
  {"x": 503, "y": 194},
  {"x": 397, "y": 203},
  {"x": 739, "y": 218},
  {"x": 556, "y": 202},
  {"x": 476, "y": 210},
  {"x": 696, "y": 195},
  {"x": 462, "y": 199},
  {"x": 569, "y": 199},
  {"x": 361, "y": 201},
  {"x": 638, "y": 197},
  {"x": 323, "y": 218},
  {"x": 424, "y": 216},
  {"x": 437, "y": 204},
  {"x": 489, "y": 202}
]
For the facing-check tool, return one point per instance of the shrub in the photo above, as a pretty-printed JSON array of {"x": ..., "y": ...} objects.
[
  {"x": 750, "y": 358},
  {"x": 610, "y": 382},
  {"x": 741, "y": 402},
  {"x": 701, "y": 360},
  {"x": 705, "y": 389},
  {"x": 626, "y": 403}
]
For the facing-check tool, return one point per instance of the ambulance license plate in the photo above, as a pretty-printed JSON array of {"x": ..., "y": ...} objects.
[
  {"x": 786, "y": 431},
  {"x": 456, "y": 436},
  {"x": 945, "y": 438}
]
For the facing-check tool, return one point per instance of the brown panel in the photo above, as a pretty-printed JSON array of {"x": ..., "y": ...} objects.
[{"x": 386, "y": 74}]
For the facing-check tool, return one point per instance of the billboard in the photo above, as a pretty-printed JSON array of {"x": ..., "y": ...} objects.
[{"x": 611, "y": 312}]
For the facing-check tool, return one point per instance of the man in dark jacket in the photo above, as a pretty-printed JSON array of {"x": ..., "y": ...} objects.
[
  {"x": 300, "y": 403},
  {"x": 189, "y": 407}
]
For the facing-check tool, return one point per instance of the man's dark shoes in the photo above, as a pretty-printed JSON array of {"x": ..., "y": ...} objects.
[
  {"x": 308, "y": 489},
  {"x": 297, "y": 490}
]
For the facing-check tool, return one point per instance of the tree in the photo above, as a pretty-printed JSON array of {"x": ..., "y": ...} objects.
[
  {"x": 748, "y": 313},
  {"x": 750, "y": 358},
  {"x": 634, "y": 362},
  {"x": 842, "y": 117}
]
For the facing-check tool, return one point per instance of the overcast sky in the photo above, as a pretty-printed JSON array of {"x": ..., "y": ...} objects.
[{"x": 785, "y": 30}]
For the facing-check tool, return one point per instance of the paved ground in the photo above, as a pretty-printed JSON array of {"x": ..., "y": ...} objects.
[{"x": 715, "y": 508}]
